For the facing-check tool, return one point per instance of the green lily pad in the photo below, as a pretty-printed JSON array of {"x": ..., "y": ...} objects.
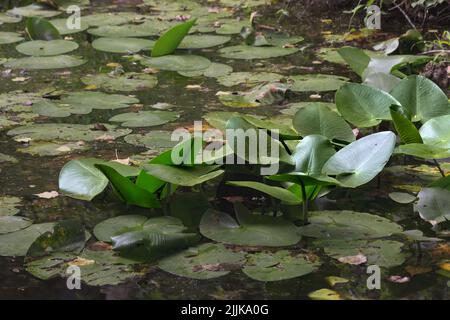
[
  {"x": 39, "y": 48},
  {"x": 434, "y": 204},
  {"x": 348, "y": 225},
  {"x": 145, "y": 118},
  {"x": 7, "y": 158},
  {"x": 98, "y": 268},
  {"x": 248, "y": 79},
  {"x": 126, "y": 30},
  {"x": 154, "y": 140},
  {"x": 294, "y": 107},
  {"x": 53, "y": 62},
  {"x": 82, "y": 103},
  {"x": 316, "y": 82},
  {"x": 330, "y": 55},
  {"x": 214, "y": 70},
  {"x": 436, "y": 132},
  {"x": 252, "y": 229},
  {"x": 9, "y": 37},
  {"x": 265, "y": 94},
  {"x": 219, "y": 119},
  {"x": 8, "y": 205},
  {"x": 207, "y": 261},
  {"x": 402, "y": 197},
  {"x": 10, "y": 223},
  {"x": 130, "y": 81},
  {"x": 111, "y": 18},
  {"x": 177, "y": 63},
  {"x": 232, "y": 26},
  {"x": 17, "y": 243},
  {"x": 250, "y": 52},
  {"x": 324, "y": 294},
  {"x": 122, "y": 45},
  {"x": 61, "y": 26},
  {"x": 203, "y": 41},
  {"x": 33, "y": 10},
  {"x": 8, "y": 18},
  {"x": 280, "y": 265},
  {"x": 424, "y": 151},
  {"x": 52, "y": 148},
  {"x": 112, "y": 227},
  {"x": 384, "y": 253},
  {"x": 66, "y": 132}
]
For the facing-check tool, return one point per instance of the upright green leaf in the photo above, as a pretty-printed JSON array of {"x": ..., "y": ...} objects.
[
  {"x": 40, "y": 29},
  {"x": 422, "y": 98},
  {"x": 129, "y": 192},
  {"x": 405, "y": 128},
  {"x": 356, "y": 58},
  {"x": 273, "y": 191},
  {"x": 360, "y": 161},
  {"x": 171, "y": 39}
]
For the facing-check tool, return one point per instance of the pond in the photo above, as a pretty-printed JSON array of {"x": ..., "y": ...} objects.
[{"x": 82, "y": 104}]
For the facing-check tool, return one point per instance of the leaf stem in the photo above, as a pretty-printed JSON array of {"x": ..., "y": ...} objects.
[
  {"x": 305, "y": 203},
  {"x": 439, "y": 167}
]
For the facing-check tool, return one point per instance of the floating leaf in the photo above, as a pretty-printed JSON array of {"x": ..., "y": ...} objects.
[
  {"x": 154, "y": 140},
  {"x": 145, "y": 118},
  {"x": 402, "y": 197},
  {"x": 252, "y": 230},
  {"x": 181, "y": 63},
  {"x": 39, "y": 48},
  {"x": 324, "y": 294},
  {"x": 9, "y": 37},
  {"x": 207, "y": 261},
  {"x": 61, "y": 26},
  {"x": 145, "y": 29},
  {"x": 17, "y": 243},
  {"x": 10, "y": 223},
  {"x": 316, "y": 82},
  {"x": 434, "y": 204},
  {"x": 53, "y": 62},
  {"x": 130, "y": 81},
  {"x": 280, "y": 265},
  {"x": 248, "y": 78},
  {"x": 8, "y": 205},
  {"x": 122, "y": 45},
  {"x": 33, "y": 10},
  {"x": 214, "y": 70},
  {"x": 203, "y": 41},
  {"x": 348, "y": 225},
  {"x": 250, "y": 52}
]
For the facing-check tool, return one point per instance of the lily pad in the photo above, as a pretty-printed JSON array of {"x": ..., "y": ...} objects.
[
  {"x": 262, "y": 95},
  {"x": 402, "y": 197},
  {"x": 39, "y": 48},
  {"x": 7, "y": 158},
  {"x": 252, "y": 229},
  {"x": 280, "y": 265},
  {"x": 177, "y": 63},
  {"x": 122, "y": 45},
  {"x": 384, "y": 253},
  {"x": 119, "y": 225},
  {"x": 250, "y": 52},
  {"x": 66, "y": 132},
  {"x": 294, "y": 107},
  {"x": 61, "y": 26},
  {"x": 17, "y": 243},
  {"x": 82, "y": 103},
  {"x": 53, "y": 62},
  {"x": 214, "y": 70},
  {"x": 203, "y": 41},
  {"x": 330, "y": 55},
  {"x": 154, "y": 140},
  {"x": 434, "y": 204},
  {"x": 126, "y": 30},
  {"x": 207, "y": 261},
  {"x": 145, "y": 118},
  {"x": 8, "y": 205},
  {"x": 324, "y": 294},
  {"x": 10, "y": 223},
  {"x": 130, "y": 81},
  {"x": 9, "y": 18},
  {"x": 111, "y": 18},
  {"x": 248, "y": 79},
  {"x": 348, "y": 225},
  {"x": 33, "y": 10},
  {"x": 316, "y": 82},
  {"x": 52, "y": 148},
  {"x": 9, "y": 37}
]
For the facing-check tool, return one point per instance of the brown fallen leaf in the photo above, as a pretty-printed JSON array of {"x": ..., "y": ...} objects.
[
  {"x": 78, "y": 261},
  {"x": 99, "y": 127},
  {"x": 445, "y": 266},
  {"x": 193, "y": 87},
  {"x": 354, "y": 260},
  {"x": 20, "y": 79},
  {"x": 100, "y": 246},
  {"x": 47, "y": 194},
  {"x": 105, "y": 137}
]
